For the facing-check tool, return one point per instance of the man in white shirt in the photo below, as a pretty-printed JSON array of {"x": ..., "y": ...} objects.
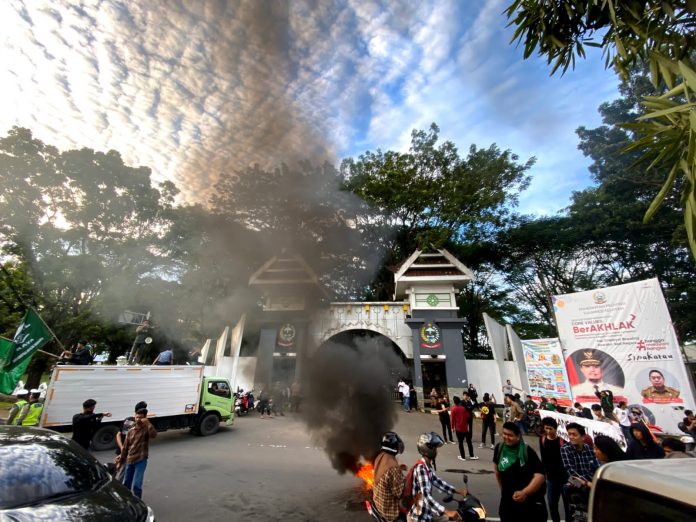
[
  {"x": 405, "y": 391},
  {"x": 621, "y": 412}
]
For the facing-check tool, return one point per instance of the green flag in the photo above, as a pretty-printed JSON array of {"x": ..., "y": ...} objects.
[
  {"x": 31, "y": 335},
  {"x": 6, "y": 351}
]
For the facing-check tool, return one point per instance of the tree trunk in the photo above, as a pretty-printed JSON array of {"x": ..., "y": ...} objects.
[{"x": 36, "y": 369}]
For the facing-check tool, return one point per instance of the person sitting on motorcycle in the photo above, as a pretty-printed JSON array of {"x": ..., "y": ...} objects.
[
  {"x": 425, "y": 508},
  {"x": 388, "y": 477}
]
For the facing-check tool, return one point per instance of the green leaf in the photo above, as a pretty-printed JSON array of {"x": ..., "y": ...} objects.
[
  {"x": 688, "y": 74},
  {"x": 654, "y": 78},
  {"x": 666, "y": 187},
  {"x": 665, "y": 112}
]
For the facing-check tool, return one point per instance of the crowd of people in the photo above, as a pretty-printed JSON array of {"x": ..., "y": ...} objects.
[{"x": 532, "y": 484}]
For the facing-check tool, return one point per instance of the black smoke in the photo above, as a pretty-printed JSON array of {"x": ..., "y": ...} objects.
[{"x": 347, "y": 405}]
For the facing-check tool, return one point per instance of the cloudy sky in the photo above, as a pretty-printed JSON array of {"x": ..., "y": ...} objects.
[{"x": 193, "y": 88}]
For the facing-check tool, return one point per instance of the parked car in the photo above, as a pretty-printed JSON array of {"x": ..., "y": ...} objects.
[{"x": 46, "y": 476}]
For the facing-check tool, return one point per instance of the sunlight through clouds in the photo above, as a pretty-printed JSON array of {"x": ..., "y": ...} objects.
[{"x": 193, "y": 89}]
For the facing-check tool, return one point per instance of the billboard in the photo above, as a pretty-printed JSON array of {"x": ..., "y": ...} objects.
[
  {"x": 621, "y": 339},
  {"x": 546, "y": 371}
]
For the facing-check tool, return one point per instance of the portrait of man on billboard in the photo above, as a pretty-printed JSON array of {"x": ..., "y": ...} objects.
[
  {"x": 658, "y": 391},
  {"x": 598, "y": 371}
]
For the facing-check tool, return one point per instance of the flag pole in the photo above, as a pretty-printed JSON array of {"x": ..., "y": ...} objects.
[{"x": 55, "y": 337}]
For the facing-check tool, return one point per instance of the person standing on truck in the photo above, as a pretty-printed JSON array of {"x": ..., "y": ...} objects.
[
  {"x": 82, "y": 355},
  {"x": 135, "y": 452},
  {"x": 142, "y": 334},
  {"x": 85, "y": 424},
  {"x": 165, "y": 358}
]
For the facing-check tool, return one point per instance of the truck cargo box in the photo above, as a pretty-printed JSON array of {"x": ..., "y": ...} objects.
[{"x": 168, "y": 391}]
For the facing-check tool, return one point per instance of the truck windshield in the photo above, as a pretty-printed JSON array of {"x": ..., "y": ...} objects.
[{"x": 613, "y": 501}]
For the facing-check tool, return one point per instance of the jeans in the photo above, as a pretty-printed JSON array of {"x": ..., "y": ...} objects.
[
  {"x": 134, "y": 475},
  {"x": 554, "y": 492},
  {"x": 407, "y": 399},
  {"x": 461, "y": 436}
]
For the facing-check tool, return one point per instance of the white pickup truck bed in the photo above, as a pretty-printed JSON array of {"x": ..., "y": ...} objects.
[{"x": 168, "y": 390}]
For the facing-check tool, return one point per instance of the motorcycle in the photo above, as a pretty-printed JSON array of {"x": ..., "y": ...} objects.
[
  {"x": 578, "y": 500},
  {"x": 241, "y": 404},
  {"x": 469, "y": 508}
]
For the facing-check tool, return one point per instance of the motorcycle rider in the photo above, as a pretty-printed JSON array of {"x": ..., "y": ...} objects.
[
  {"x": 425, "y": 508},
  {"x": 388, "y": 477}
]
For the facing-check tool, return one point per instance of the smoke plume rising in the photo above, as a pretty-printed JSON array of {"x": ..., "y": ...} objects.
[{"x": 347, "y": 405}]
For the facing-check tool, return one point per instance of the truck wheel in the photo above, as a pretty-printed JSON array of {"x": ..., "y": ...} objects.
[
  {"x": 209, "y": 424},
  {"x": 104, "y": 438}
]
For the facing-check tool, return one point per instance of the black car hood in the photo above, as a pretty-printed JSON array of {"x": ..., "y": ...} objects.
[{"x": 111, "y": 502}]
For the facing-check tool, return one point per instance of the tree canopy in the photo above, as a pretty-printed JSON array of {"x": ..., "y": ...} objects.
[{"x": 631, "y": 33}]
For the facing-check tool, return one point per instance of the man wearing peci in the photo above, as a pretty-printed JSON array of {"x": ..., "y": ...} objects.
[{"x": 591, "y": 367}]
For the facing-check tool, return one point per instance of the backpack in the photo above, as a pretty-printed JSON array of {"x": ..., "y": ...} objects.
[{"x": 407, "y": 497}]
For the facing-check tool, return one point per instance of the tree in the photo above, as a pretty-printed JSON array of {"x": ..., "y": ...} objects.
[
  {"x": 433, "y": 194},
  {"x": 83, "y": 225},
  {"x": 631, "y": 32},
  {"x": 306, "y": 210}
]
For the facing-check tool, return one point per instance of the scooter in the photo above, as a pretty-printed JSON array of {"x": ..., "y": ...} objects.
[
  {"x": 241, "y": 404},
  {"x": 469, "y": 508}
]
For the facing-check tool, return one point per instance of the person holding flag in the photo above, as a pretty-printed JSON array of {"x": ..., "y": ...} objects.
[{"x": 32, "y": 334}]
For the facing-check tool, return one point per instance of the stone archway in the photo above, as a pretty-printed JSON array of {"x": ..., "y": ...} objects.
[{"x": 399, "y": 368}]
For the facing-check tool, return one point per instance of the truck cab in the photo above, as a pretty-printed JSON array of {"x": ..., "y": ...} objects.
[
  {"x": 216, "y": 405},
  {"x": 655, "y": 490}
]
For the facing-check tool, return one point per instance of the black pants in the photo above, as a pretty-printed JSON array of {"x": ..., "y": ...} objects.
[
  {"x": 488, "y": 425},
  {"x": 528, "y": 511},
  {"x": 446, "y": 427},
  {"x": 461, "y": 437}
]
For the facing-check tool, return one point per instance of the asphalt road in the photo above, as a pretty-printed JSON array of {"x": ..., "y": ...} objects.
[{"x": 269, "y": 469}]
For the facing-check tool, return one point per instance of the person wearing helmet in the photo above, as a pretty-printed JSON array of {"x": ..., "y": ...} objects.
[
  {"x": 22, "y": 396},
  {"x": 425, "y": 508},
  {"x": 389, "y": 477}
]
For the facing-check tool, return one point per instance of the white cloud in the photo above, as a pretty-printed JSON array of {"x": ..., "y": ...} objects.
[{"x": 192, "y": 89}]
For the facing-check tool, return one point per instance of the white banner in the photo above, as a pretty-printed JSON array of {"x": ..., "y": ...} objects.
[
  {"x": 621, "y": 339},
  {"x": 592, "y": 427},
  {"x": 496, "y": 337},
  {"x": 546, "y": 371}
]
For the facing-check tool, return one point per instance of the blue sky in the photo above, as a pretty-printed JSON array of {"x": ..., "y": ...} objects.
[{"x": 192, "y": 89}]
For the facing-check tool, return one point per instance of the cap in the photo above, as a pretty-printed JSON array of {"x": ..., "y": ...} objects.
[
  {"x": 588, "y": 357},
  {"x": 35, "y": 390},
  {"x": 22, "y": 392}
]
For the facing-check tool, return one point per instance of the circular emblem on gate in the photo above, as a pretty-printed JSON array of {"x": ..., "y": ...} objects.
[
  {"x": 432, "y": 300},
  {"x": 430, "y": 336},
  {"x": 286, "y": 335}
]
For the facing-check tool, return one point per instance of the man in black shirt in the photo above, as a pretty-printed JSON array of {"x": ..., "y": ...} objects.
[
  {"x": 85, "y": 424},
  {"x": 556, "y": 475},
  {"x": 520, "y": 476}
]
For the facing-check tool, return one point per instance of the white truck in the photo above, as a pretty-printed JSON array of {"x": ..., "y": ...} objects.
[{"x": 177, "y": 397}]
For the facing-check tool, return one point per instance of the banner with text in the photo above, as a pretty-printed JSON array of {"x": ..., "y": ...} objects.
[
  {"x": 621, "y": 340},
  {"x": 592, "y": 427},
  {"x": 546, "y": 370}
]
